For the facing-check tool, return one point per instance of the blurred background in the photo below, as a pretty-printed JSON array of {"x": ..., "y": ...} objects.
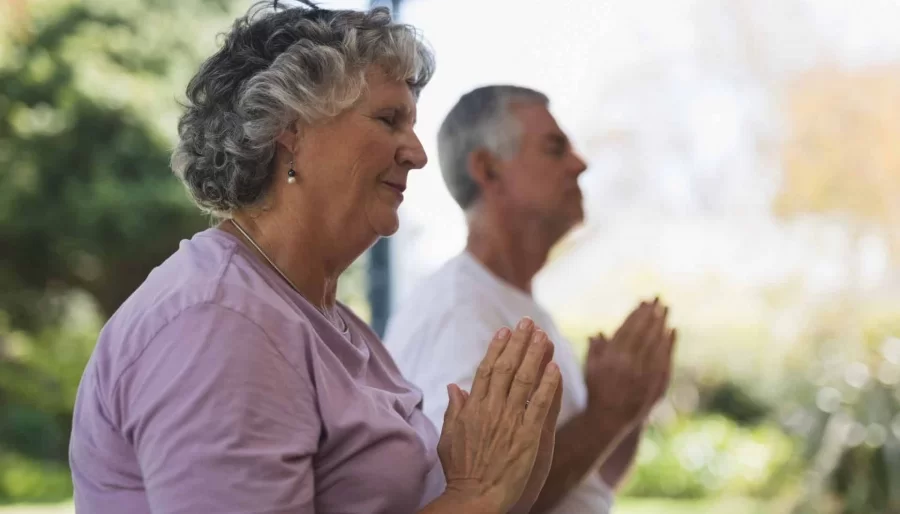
[{"x": 744, "y": 164}]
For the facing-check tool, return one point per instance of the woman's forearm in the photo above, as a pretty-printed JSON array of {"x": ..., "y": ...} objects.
[
  {"x": 580, "y": 444},
  {"x": 454, "y": 503}
]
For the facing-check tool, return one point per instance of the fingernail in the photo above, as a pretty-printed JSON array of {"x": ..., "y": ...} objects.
[
  {"x": 539, "y": 336},
  {"x": 525, "y": 324},
  {"x": 553, "y": 367},
  {"x": 503, "y": 333}
]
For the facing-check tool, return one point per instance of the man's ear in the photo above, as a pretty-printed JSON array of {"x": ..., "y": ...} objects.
[{"x": 482, "y": 167}]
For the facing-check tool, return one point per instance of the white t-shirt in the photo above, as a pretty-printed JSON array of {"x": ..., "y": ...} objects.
[{"x": 442, "y": 331}]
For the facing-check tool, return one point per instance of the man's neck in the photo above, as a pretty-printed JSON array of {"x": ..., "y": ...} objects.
[{"x": 512, "y": 249}]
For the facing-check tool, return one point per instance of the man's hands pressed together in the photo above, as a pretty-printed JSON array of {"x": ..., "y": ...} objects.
[{"x": 626, "y": 376}]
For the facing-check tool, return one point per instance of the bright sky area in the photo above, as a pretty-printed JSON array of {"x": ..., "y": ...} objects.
[{"x": 674, "y": 105}]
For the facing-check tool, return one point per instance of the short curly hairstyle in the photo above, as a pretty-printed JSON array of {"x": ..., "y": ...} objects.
[{"x": 279, "y": 66}]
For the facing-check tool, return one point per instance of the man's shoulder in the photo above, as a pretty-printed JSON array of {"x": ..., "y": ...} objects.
[
  {"x": 448, "y": 317},
  {"x": 437, "y": 315},
  {"x": 447, "y": 296}
]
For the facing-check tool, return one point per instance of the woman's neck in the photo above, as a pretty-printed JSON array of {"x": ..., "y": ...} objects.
[{"x": 305, "y": 259}]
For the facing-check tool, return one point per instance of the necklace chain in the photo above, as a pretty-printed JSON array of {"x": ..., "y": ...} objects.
[{"x": 276, "y": 268}]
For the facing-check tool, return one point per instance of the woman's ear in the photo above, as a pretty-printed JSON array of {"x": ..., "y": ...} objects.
[{"x": 288, "y": 138}]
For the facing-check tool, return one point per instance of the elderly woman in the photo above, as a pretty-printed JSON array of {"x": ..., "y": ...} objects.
[{"x": 232, "y": 381}]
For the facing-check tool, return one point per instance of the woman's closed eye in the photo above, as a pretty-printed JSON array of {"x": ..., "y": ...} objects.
[{"x": 388, "y": 118}]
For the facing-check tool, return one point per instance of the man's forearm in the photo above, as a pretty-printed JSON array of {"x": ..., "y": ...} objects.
[
  {"x": 580, "y": 445},
  {"x": 615, "y": 467}
]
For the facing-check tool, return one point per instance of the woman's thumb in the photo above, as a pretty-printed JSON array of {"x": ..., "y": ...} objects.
[{"x": 455, "y": 404}]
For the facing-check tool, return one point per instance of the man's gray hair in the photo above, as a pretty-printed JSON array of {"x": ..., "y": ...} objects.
[
  {"x": 279, "y": 66},
  {"x": 481, "y": 119}
]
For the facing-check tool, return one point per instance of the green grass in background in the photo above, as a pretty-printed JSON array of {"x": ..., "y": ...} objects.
[{"x": 715, "y": 506}]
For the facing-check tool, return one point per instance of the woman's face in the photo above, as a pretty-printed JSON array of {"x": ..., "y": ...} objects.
[{"x": 352, "y": 169}]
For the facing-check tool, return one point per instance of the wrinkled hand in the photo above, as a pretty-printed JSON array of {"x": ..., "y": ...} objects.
[
  {"x": 625, "y": 377},
  {"x": 544, "y": 458},
  {"x": 493, "y": 437}
]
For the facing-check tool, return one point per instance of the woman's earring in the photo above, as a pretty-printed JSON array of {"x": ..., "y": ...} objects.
[{"x": 292, "y": 175}]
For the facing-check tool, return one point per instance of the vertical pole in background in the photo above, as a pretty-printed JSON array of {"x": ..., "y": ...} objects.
[
  {"x": 380, "y": 284},
  {"x": 380, "y": 255}
]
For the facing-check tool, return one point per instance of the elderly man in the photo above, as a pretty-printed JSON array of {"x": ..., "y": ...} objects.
[{"x": 514, "y": 173}]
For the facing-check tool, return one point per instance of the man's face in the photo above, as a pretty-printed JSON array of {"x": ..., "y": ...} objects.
[{"x": 541, "y": 180}]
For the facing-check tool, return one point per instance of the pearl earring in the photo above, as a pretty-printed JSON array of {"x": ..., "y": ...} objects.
[{"x": 292, "y": 175}]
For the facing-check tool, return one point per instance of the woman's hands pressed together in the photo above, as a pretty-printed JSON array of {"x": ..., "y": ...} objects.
[{"x": 497, "y": 441}]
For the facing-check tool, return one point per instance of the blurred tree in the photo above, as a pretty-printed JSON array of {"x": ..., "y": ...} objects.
[
  {"x": 87, "y": 119},
  {"x": 733, "y": 401},
  {"x": 86, "y": 198},
  {"x": 841, "y": 156},
  {"x": 87, "y": 204}
]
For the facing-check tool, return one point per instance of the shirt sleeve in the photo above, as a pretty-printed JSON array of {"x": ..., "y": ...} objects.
[
  {"x": 607, "y": 496},
  {"x": 219, "y": 420},
  {"x": 456, "y": 344}
]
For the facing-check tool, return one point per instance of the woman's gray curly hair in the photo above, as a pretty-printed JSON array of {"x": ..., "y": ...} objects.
[{"x": 277, "y": 67}]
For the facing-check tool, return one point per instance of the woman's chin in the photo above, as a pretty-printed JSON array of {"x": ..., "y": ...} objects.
[{"x": 386, "y": 224}]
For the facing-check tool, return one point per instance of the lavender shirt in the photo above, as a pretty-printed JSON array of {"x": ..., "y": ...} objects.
[{"x": 216, "y": 388}]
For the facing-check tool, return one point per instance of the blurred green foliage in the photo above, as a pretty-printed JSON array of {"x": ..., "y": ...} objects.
[
  {"x": 735, "y": 402},
  {"x": 24, "y": 479},
  {"x": 39, "y": 375},
  {"x": 86, "y": 199},
  {"x": 822, "y": 382},
  {"x": 848, "y": 414},
  {"x": 679, "y": 506},
  {"x": 87, "y": 204},
  {"x": 712, "y": 456}
]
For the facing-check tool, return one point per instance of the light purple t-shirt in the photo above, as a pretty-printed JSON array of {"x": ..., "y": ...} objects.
[{"x": 216, "y": 388}]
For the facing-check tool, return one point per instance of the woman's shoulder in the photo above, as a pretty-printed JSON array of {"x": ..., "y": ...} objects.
[
  {"x": 206, "y": 282},
  {"x": 206, "y": 269}
]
